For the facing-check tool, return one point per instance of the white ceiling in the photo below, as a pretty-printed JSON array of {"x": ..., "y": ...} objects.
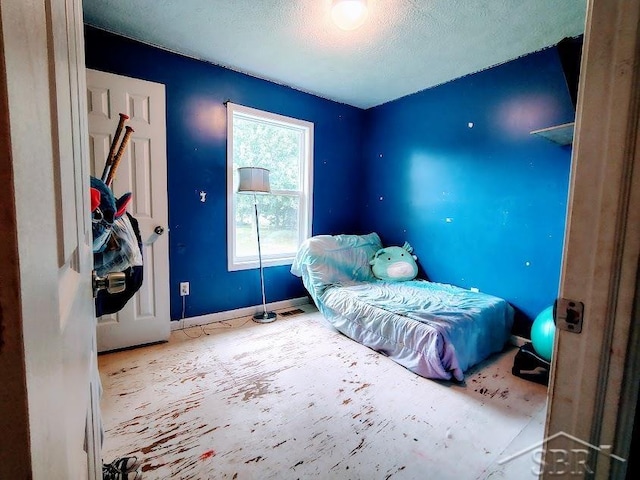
[{"x": 405, "y": 45}]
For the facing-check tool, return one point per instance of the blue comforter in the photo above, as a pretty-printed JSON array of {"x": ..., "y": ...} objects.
[{"x": 435, "y": 330}]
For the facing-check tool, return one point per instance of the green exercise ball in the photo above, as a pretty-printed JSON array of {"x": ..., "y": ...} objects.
[{"x": 542, "y": 333}]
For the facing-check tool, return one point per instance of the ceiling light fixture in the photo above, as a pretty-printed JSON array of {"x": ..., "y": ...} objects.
[{"x": 349, "y": 14}]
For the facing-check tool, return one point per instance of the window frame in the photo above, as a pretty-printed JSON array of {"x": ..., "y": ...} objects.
[{"x": 305, "y": 195}]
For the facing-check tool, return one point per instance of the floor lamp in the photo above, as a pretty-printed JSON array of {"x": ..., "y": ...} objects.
[{"x": 255, "y": 180}]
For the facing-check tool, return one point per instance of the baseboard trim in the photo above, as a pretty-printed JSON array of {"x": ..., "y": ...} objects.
[
  {"x": 518, "y": 341},
  {"x": 237, "y": 313},
  {"x": 514, "y": 340}
]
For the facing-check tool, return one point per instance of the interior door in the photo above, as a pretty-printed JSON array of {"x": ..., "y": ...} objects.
[
  {"x": 596, "y": 373},
  {"x": 142, "y": 171},
  {"x": 49, "y": 323}
]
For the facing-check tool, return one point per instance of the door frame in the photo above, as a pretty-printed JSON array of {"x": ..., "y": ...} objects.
[{"x": 594, "y": 380}]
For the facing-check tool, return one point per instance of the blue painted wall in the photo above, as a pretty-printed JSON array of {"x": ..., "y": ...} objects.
[
  {"x": 196, "y": 155},
  {"x": 483, "y": 206}
]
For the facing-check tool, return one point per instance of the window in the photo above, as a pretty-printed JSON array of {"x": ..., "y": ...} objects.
[{"x": 284, "y": 146}]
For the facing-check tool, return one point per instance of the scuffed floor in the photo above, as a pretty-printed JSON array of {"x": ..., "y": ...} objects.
[{"x": 295, "y": 399}]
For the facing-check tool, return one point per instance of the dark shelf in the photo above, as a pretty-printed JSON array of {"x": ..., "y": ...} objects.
[{"x": 560, "y": 134}]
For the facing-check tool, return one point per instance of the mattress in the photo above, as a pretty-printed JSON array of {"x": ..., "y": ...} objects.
[{"x": 435, "y": 330}]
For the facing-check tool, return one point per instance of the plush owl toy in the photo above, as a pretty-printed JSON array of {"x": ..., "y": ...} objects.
[{"x": 395, "y": 263}]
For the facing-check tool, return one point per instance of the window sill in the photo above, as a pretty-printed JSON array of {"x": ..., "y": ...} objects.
[{"x": 277, "y": 262}]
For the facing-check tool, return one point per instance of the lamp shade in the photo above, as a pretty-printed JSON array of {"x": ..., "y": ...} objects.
[{"x": 253, "y": 180}]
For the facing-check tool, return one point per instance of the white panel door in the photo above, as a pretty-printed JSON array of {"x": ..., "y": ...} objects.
[
  {"x": 143, "y": 172},
  {"x": 43, "y": 85}
]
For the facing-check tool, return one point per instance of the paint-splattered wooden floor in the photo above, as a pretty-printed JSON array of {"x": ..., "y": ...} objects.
[{"x": 295, "y": 399}]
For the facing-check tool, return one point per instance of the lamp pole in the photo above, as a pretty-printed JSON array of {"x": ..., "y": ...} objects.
[{"x": 264, "y": 317}]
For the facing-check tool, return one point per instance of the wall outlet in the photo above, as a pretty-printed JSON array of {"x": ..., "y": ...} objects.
[{"x": 184, "y": 288}]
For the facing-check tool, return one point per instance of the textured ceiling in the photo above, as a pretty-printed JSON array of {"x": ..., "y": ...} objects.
[{"x": 404, "y": 46}]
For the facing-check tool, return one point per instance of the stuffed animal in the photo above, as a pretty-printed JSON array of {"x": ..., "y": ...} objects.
[
  {"x": 395, "y": 263},
  {"x": 105, "y": 209}
]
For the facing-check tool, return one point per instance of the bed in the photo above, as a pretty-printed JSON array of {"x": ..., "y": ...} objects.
[{"x": 435, "y": 330}]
